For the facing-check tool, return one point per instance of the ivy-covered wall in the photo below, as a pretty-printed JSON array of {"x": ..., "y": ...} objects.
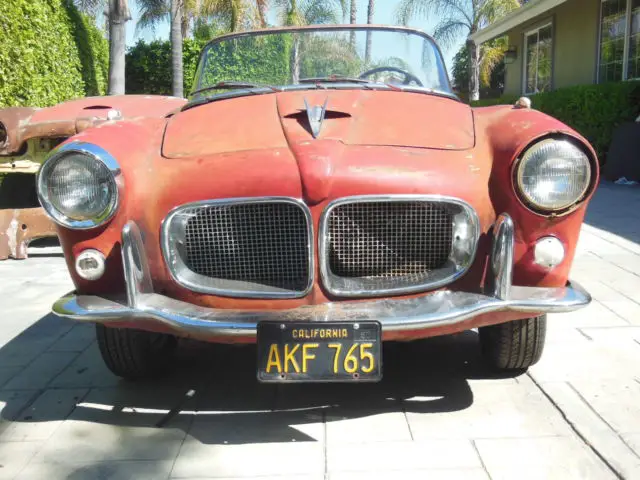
[{"x": 50, "y": 53}]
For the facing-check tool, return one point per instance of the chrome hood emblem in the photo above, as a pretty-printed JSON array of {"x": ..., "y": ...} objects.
[{"x": 316, "y": 115}]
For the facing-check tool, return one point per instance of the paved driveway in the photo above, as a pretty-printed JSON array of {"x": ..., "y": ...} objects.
[{"x": 437, "y": 414}]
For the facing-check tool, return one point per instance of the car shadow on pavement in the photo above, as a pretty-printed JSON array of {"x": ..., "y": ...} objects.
[
  {"x": 211, "y": 391},
  {"x": 614, "y": 209}
]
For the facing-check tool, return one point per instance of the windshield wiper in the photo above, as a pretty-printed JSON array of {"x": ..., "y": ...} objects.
[
  {"x": 334, "y": 79},
  {"x": 233, "y": 86}
]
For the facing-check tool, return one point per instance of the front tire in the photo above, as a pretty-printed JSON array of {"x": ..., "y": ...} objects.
[
  {"x": 515, "y": 345},
  {"x": 135, "y": 354}
]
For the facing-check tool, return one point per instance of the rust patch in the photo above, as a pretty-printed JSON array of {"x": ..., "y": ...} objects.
[{"x": 19, "y": 227}]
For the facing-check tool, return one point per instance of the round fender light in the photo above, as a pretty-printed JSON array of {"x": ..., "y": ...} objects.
[
  {"x": 548, "y": 252},
  {"x": 90, "y": 264}
]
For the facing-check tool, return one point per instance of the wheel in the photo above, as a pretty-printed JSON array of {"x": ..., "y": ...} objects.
[
  {"x": 514, "y": 345},
  {"x": 135, "y": 354}
]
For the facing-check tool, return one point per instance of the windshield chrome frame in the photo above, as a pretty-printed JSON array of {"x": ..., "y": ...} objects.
[{"x": 332, "y": 28}]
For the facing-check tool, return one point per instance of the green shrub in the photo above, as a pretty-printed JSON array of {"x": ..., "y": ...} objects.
[
  {"x": 148, "y": 67},
  {"x": 593, "y": 110},
  {"x": 50, "y": 53}
]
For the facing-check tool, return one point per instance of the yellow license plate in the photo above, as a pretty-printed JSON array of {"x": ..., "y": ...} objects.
[{"x": 312, "y": 352}]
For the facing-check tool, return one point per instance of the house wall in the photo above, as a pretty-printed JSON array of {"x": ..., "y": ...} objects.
[{"x": 575, "y": 43}]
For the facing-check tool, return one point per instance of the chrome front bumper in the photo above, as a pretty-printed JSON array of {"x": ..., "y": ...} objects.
[{"x": 439, "y": 309}]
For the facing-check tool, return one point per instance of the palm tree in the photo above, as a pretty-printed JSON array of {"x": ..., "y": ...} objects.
[
  {"x": 353, "y": 13},
  {"x": 367, "y": 52},
  {"x": 460, "y": 17},
  {"x": 118, "y": 14},
  {"x": 177, "y": 32},
  {"x": 307, "y": 12}
]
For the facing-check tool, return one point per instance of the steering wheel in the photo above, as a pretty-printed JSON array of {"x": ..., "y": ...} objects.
[{"x": 408, "y": 77}]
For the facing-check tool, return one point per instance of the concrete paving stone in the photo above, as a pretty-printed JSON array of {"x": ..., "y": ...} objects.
[
  {"x": 22, "y": 350},
  {"x": 629, "y": 263},
  {"x": 358, "y": 426},
  {"x": 40, "y": 420},
  {"x": 633, "y": 441},
  {"x": 587, "y": 361},
  {"x": 394, "y": 456},
  {"x": 197, "y": 459},
  {"x": 14, "y": 456},
  {"x": 75, "y": 340},
  {"x": 87, "y": 370},
  {"x": 319, "y": 476},
  {"x": 617, "y": 401},
  {"x": 256, "y": 427},
  {"x": 135, "y": 406},
  {"x": 613, "y": 335},
  {"x": 41, "y": 371},
  {"x": 556, "y": 333},
  {"x": 609, "y": 238},
  {"x": 561, "y": 458},
  {"x": 89, "y": 442},
  {"x": 128, "y": 470},
  {"x": 595, "y": 315},
  {"x": 497, "y": 411},
  {"x": 7, "y": 373},
  {"x": 612, "y": 298},
  {"x": 593, "y": 429},
  {"x": 457, "y": 474},
  {"x": 12, "y": 403}
]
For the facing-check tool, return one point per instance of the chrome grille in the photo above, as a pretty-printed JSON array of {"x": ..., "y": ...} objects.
[
  {"x": 395, "y": 244},
  {"x": 249, "y": 247},
  {"x": 388, "y": 239}
]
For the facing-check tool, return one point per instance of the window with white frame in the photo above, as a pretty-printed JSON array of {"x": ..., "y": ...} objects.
[
  {"x": 619, "y": 40},
  {"x": 538, "y": 47}
]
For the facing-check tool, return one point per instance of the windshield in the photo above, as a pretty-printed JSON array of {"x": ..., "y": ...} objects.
[{"x": 307, "y": 57}]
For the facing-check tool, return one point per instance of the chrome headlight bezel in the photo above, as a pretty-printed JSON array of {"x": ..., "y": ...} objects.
[
  {"x": 547, "y": 209},
  {"x": 94, "y": 153}
]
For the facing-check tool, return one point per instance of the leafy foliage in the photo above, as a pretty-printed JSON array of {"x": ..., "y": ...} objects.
[
  {"x": 461, "y": 18},
  {"x": 263, "y": 59},
  {"x": 491, "y": 74},
  {"x": 50, "y": 53},
  {"x": 593, "y": 110},
  {"x": 149, "y": 66}
]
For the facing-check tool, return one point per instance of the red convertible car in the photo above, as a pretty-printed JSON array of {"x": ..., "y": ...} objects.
[{"x": 323, "y": 190}]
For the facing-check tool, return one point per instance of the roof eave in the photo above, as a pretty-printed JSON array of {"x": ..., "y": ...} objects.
[{"x": 514, "y": 19}]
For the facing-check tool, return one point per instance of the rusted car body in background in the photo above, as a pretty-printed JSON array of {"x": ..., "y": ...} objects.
[
  {"x": 27, "y": 135},
  {"x": 318, "y": 200}
]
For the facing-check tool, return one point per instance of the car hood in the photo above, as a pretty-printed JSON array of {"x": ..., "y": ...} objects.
[{"x": 353, "y": 117}]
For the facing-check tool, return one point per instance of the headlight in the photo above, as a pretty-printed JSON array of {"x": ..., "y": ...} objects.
[
  {"x": 552, "y": 175},
  {"x": 77, "y": 185}
]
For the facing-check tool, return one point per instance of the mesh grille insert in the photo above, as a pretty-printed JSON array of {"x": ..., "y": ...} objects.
[
  {"x": 257, "y": 243},
  {"x": 388, "y": 239}
]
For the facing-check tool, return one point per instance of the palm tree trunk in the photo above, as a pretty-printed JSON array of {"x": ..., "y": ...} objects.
[
  {"x": 185, "y": 24},
  {"x": 295, "y": 60},
  {"x": 352, "y": 20},
  {"x": 474, "y": 74},
  {"x": 367, "y": 53},
  {"x": 262, "y": 12},
  {"x": 176, "y": 48},
  {"x": 118, "y": 15}
]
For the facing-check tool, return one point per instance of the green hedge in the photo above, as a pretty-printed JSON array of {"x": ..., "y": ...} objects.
[
  {"x": 593, "y": 110},
  {"x": 50, "y": 53},
  {"x": 148, "y": 67}
]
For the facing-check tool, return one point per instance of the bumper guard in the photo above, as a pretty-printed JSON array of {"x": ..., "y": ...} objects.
[{"x": 438, "y": 309}]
